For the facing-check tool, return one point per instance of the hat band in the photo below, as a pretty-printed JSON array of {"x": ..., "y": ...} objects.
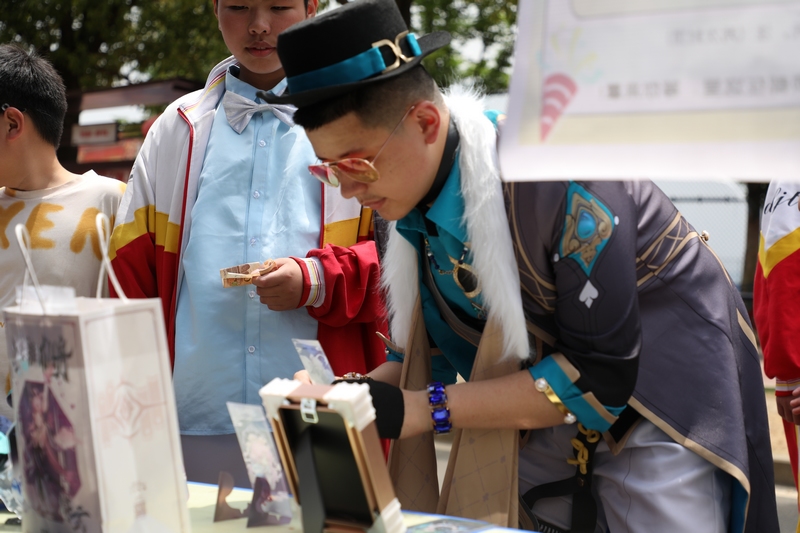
[{"x": 356, "y": 68}]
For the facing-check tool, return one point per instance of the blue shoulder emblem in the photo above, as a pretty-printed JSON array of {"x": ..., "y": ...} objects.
[{"x": 587, "y": 227}]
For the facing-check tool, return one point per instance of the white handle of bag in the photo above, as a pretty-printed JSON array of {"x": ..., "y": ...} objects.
[
  {"x": 24, "y": 239},
  {"x": 104, "y": 236}
]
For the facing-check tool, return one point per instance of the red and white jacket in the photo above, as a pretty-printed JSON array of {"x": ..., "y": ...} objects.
[
  {"x": 154, "y": 222},
  {"x": 776, "y": 289}
]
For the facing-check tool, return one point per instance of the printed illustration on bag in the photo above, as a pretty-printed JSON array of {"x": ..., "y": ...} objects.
[
  {"x": 46, "y": 421},
  {"x": 51, "y": 466}
]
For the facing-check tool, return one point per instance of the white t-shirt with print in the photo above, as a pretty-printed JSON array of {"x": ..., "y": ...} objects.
[{"x": 64, "y": 244}]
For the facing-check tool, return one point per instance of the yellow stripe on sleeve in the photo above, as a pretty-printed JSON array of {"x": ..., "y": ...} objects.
[
  {"x": 146, "y": 220},
  {"x": 783, "y": 248},
  {"x": 342, "y": 232}
]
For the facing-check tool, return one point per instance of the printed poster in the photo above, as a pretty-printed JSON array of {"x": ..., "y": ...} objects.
[{"x": 661, "y": 89}]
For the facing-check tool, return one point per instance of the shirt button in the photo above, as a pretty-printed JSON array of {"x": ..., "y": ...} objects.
[
  {"x": 252, "y": 241},
  {"x": 256, "y": 194},
  {"x": 261, "y": 143},
  {"x": 251, "y": 349},
  {"x": 252, "y": 294}
]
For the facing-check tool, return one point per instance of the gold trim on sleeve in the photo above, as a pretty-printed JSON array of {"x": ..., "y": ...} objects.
[{"x": 544, "y": 387}]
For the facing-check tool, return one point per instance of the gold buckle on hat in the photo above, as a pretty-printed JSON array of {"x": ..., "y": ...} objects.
[{"x": 398, "y": 52}]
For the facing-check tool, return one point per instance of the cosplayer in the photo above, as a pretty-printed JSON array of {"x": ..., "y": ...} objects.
[{"x": 590, "y": 313}]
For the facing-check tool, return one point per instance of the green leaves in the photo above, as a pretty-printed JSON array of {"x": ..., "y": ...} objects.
[
  {"x": 483, "y": 39},
  {"x": 99, "y": 44},
  {"x": 104, "y": 43}
]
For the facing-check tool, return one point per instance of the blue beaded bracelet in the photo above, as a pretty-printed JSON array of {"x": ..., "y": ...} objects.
[{"x": 440, "y": 414}]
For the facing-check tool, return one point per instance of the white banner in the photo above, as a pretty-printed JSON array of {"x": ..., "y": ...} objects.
[{"x": 663, "y": 89}]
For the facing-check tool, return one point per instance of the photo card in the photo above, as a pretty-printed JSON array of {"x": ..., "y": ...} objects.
[
  {"x": 271, "y": 500},
  {"x": 314, "y": 361}
]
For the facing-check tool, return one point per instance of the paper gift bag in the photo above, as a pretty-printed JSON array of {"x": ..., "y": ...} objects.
[{"x": 97, "y": 429}]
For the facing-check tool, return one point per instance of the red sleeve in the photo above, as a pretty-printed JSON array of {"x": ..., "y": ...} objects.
[
  {"x": 352, "y": 285},
  {"x": 353, "y": 308},
  {"x": 776, "y": 312},
  {"x": 135, "y": 267},
  {"x": 146, "y": 270}
]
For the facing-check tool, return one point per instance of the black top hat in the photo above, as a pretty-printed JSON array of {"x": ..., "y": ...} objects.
[{"x": 357, "y": 44}]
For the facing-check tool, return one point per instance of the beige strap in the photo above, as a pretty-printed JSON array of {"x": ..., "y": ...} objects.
[{"x": 481, "y": 478}]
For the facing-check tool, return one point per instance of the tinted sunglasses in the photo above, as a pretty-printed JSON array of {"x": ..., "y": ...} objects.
[{"x": 356, "y": 169}]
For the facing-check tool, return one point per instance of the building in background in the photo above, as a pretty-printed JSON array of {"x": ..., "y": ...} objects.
[{"x": 113, "y": 122}]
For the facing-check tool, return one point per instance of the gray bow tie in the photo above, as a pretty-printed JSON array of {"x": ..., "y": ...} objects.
[{"x": 239, "y": 110}]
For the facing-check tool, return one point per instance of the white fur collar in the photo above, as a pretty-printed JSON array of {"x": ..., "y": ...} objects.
[{"x": 487, "y": 229}]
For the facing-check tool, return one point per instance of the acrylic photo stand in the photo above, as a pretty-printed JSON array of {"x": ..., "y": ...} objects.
[{"x": 332, "y": 456}]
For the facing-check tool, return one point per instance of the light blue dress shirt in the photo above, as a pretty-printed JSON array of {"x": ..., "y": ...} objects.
[{"x": 255, "y": 201}]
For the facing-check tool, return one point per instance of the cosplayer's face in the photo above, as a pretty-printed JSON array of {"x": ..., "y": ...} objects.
[
  {"x": 250, "y": 29},
  {"x": 407, "y": 164}
]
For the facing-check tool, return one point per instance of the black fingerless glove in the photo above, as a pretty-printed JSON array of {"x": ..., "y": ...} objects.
[{"x": 389, "y": 407}]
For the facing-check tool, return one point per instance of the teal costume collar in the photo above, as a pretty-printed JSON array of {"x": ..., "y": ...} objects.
[{"x": 447, "y": 162}]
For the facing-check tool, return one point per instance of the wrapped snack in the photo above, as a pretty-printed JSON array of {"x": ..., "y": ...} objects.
[{"x": 243, "y": 274}]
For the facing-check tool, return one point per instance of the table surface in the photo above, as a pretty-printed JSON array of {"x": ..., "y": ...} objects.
[{"x": 203, "y": 499}]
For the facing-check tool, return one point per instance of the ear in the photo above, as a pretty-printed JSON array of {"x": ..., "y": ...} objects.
[
  {"x": 14, "y": 124},
  {"x": 311, "y": 10},
  {"x": 428, "y": 118}
]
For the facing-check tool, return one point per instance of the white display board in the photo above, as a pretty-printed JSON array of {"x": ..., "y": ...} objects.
[{"x": 663, "y": 89}]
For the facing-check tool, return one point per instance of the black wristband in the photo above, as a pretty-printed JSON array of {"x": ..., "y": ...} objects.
[
  {"x": 389, "y": 406},
  {"x": 390, "y": 410}
]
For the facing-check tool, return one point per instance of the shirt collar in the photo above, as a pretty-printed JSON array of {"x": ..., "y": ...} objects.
[
  {"x": 242, "y": 88},
  {"x": 447, "y": 211}
]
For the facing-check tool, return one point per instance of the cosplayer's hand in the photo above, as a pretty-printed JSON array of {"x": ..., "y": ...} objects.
[
  {"x": 303, "y": 377},
  {"x": 280, "y": 290},
  {"x": 389, "y": 406}
]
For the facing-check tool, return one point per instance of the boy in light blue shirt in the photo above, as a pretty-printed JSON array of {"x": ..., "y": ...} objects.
[{"x": 222, "y": 180}]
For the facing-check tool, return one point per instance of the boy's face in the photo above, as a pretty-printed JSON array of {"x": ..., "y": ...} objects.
[
  {"x": 250, "y": 30},
  {"x": 407, "y": 164}
]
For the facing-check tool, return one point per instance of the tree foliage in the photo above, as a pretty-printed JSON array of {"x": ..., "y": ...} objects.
[
  {"x": 483, "y": 33},
  {"x": 99, "y": 44},
  {"x": 82, "y": 38},
  {"x": 104, "y": 43}
]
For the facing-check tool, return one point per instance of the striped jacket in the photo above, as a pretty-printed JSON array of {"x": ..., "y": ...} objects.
[{"x": 776, "y": 288}]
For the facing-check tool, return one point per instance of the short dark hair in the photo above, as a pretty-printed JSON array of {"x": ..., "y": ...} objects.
[
  {"x": 305, "y": 2},
  {"x": 29, "y": 82},
  {"x": 376, "y": 104}
]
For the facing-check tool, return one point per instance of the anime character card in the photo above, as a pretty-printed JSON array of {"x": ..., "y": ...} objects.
[{"x": 314, "y": 361}]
